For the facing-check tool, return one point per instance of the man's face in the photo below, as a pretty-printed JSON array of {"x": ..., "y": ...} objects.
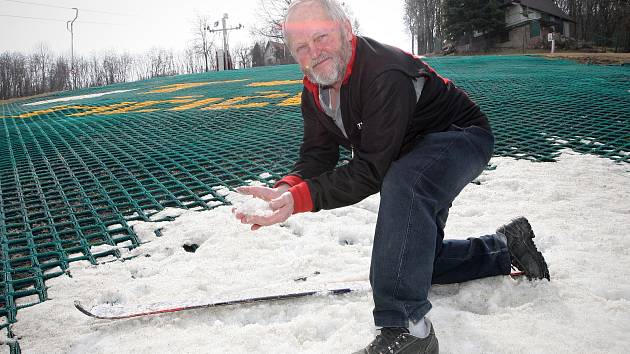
[{"x": 320, "y": 45}]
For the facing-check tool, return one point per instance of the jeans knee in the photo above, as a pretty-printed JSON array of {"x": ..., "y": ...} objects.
[{"x": 396, "y": 179}]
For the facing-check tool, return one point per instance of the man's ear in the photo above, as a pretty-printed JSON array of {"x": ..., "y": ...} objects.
[{"x": 346, "y": 27}]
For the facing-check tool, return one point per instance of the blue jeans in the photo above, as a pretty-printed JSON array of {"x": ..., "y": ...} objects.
[{"x": 410, "y": 252}]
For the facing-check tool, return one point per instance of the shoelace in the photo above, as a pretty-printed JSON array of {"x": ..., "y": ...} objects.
[{"x": 383, "y": 342}]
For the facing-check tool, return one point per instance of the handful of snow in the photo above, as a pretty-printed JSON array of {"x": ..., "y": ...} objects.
[{"x": 254, "y": 206}]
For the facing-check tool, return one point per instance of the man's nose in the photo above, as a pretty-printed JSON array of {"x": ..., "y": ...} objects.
[{"x": 315, "y": 50}]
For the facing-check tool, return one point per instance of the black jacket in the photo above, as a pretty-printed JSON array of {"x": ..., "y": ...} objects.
[{"x": 381, "y": 118}]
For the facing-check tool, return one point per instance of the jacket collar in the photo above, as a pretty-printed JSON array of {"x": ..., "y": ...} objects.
[{"x": 346, "y": 76}]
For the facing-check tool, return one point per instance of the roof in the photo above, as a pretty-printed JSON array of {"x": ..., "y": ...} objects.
[
  {"x": 276, "y": 45},
  {"x": 548, "y": 6}
]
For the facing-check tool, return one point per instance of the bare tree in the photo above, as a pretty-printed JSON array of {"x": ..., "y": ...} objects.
[
  {"x": 60, "y": 76},
  {"x": 271, "y": 13},
  {"x": 6, "y": 77},
  {"x": 95, "y": 71},
  {"x": 192, "y": 62},
  {"x": 410, "y": 18},
  {"x": 202, "y": 39},
  {"x": 124, "y": 71},
  {"x": 110, "y": 66},
  {"x": 601, "y": 22},
  {"x": 41, "y": 71},
  {"x": 116, "y": 68},
  {"x": 243, "y": 55},
  {"x": 161, "y": 63},
  {"x": 13, "y": 75},
  {"x": 82, "y": 69},
  {"x": 41, "y": 60},
  {"x": 423, "y": 18}
]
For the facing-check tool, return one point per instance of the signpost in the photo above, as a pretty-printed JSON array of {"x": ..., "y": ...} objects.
[{"x": 550, "y": 38}]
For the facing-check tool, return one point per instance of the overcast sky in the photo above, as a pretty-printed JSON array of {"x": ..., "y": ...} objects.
[{"x": 137, "y": 25}]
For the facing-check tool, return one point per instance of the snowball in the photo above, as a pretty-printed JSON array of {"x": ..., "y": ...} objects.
[{"x": 254, "y": 206}]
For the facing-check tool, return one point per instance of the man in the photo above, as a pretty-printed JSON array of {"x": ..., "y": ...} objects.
[{"x": 417, "y": 139}]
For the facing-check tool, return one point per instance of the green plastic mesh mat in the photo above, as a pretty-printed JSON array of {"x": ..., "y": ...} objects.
[
  {"x": 537, "y": 106},
  {"x": 74, "y": 171}
]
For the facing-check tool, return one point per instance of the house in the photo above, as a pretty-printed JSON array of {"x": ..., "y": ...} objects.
[
  {"x": 527, "y": 23},
  {"x": 277, "y": 53}
]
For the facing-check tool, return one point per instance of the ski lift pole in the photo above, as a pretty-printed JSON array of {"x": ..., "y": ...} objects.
[
  {"x": 225, "y": 30},
  {"x": 71, "y": 30}
]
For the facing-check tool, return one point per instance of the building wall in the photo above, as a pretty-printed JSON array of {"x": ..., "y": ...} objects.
[
  {"x": 515, "y": 15},
  {"x": 274, "y": 55},
  {"x": 522, "y": 34},
  {"x": 517, "y": 36},
  {"x": 269, "y": 56},
  {"x": 519, "y": 28}
]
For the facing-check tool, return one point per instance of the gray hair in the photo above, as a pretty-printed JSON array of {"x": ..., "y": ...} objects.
[{"x": 332, "y": 8}]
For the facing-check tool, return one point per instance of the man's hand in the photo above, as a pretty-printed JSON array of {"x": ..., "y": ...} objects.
[
  {"x": 280, "y": 200},
  {"x": 262, "y": 192}
]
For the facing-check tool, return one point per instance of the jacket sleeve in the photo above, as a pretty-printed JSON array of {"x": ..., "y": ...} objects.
[{"x": 387, "y": 106}]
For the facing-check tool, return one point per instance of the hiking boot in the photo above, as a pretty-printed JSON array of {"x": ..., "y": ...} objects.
[
  {"x": 523, "y": 252},
  {"x": 399, "y": 341}
]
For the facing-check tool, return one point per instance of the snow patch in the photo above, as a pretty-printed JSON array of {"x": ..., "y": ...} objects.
[
  {"x": 102, "y": 248},
  {"x": 578, "y": 207},
  {"x": 76, "y": 98},
  {"x": 167, "y": 213}
]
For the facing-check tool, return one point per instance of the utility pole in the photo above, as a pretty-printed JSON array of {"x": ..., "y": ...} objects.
[
  {"x": 225, "y": 56},
  {"x": 225, "y": 44},
  {"x": 71, "y": 29}
]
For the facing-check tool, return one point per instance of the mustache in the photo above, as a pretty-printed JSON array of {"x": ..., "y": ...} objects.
[{"x": 319, "y": 60}]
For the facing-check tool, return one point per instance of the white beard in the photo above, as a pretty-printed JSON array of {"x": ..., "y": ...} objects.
[
  {"x": 334, "y": 74},
  {"x": 328, "y": 77}
]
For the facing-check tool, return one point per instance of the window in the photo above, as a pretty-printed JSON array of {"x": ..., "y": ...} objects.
[{"x": 534, "y": 29}]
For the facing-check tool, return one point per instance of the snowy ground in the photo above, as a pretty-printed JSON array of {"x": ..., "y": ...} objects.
[
  {"x": 76, "y": 98},
  {"x": 579, "y": 208}
]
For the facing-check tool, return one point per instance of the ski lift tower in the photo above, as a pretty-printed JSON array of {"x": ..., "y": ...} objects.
[
  {"x": 70, "y": 28},
  {"x": 223, "y": 60}
]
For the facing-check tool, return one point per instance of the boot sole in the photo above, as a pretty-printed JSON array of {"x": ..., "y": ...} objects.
[{"x": 524, "y": 235}]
